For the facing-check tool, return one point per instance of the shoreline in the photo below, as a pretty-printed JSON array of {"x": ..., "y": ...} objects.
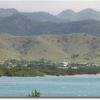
[{"x": 77, "y": 75}]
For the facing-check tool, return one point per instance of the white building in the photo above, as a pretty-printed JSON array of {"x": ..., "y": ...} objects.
[{"x": 65, "y": 64}]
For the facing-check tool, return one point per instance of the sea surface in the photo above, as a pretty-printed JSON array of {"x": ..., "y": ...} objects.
[{"x": 51, "y": 86}]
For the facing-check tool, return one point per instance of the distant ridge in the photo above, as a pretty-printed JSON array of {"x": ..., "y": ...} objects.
[
  {"x": 7, "y": 12},
  {"x": 68, "y": 21},
  {"x": 86, "y": 14},
  {"x": 64, "y": 16}
]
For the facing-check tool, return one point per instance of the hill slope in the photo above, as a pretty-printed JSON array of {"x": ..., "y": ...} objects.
[
  {"x": 72, "y": 47},
  {"x": 20, "y": 25}
]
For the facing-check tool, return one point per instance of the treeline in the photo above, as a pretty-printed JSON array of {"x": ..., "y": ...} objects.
[
  {"x": 28, "y": 68},
  {"x": 44, "y": 67}
]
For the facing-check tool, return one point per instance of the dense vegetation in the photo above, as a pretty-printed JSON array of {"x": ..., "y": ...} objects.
[
  {"x": 25, "y": 68},
  {"x": 44, "y": 67}
]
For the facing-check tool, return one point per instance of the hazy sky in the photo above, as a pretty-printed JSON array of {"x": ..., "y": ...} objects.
[{"x": 51, "y": 6}]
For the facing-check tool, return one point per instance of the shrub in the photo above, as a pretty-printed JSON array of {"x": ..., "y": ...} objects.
[{"x": 34, "y": 94}]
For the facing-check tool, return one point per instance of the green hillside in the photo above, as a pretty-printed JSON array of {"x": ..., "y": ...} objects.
[{"x": 77, "y": 47}]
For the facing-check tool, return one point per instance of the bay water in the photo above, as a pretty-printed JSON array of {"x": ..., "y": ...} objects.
[{"x": 51, "y": 86}]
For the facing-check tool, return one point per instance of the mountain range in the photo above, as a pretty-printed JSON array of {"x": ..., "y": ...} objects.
[
  {"x": 68, "y": 21},
  {"x": 64, "y": 16},
  {"x": 67, "y": 36}
]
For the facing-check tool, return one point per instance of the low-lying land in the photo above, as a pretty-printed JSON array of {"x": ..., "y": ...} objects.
[{"x": 43, "y": 67}]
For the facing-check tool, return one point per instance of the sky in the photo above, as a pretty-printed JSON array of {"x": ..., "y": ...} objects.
[{"x": 51, "y": 6}]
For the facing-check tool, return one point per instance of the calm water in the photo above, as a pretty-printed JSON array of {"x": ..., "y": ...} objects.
[{"x": 51, "y": 86}]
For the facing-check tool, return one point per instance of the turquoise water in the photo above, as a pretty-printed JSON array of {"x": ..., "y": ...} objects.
[{"x": 51, "y": 86}]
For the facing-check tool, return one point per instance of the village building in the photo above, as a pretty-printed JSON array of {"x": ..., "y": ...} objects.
[
  {"x": 2, "y": 62},
  {"x": 65, "y": 65}
]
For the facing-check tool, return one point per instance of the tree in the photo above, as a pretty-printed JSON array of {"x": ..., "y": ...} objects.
[
  {"x": 42, "y": 60},
  {"x": 74, "y": 56}
]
